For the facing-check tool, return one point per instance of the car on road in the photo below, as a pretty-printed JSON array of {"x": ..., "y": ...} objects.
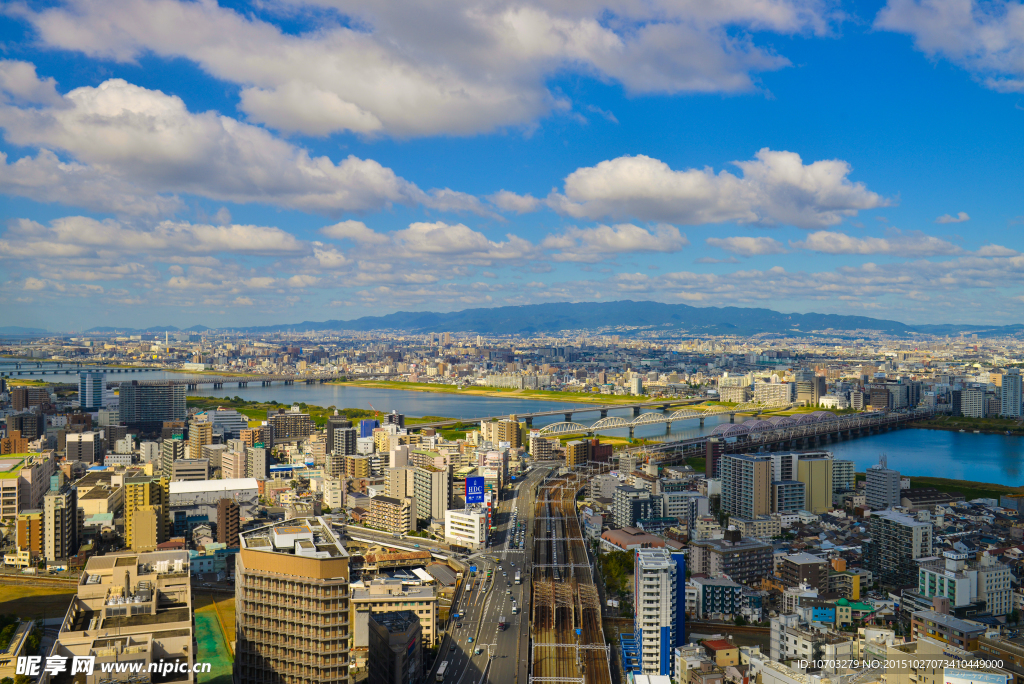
[
  {"x": 452, "y": 647},
  {"x": 458, "y": 625},
  {"x": 470, "y": 639},
  {"x": 477, "y": 652},
  {"x": 512, "y": 564}
]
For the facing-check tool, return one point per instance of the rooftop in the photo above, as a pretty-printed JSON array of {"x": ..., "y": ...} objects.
[
  {"x": 309, "y": 537},
  {"x": 804, "y": 558},
  {"x": 12, "y": 464},
  {"x": 395, "y": 621},
  {"x": 214, "y": 485},
  {"x": 949, "y": 621}
]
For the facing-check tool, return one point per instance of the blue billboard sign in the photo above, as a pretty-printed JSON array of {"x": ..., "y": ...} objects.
[{"x": 474, "y": 490}]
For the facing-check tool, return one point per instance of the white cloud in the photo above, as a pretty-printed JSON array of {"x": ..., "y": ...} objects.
[
  {"x": 601, "y": 242},
  {"x": 19, "y": 80},
  {"x": 461, "y": 67},
  {"x": 985, "y": 38},
  {"x": 996, "y": 251},
  {"x": 355, "y": 231},
  {"x": 128, "y": 137},
  {"x": 912, "y": 244},
  {"x": 959, "y": 218},
  {"x": 776, "y": 187},
  {"x": 510, "y": 201},
  {"x": 748, "y": 246}
]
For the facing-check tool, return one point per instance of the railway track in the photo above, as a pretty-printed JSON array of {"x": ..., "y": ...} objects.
[{"x": 568, "y": 639}]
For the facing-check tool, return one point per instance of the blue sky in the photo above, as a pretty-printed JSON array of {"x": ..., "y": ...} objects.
[{"x": 175, "y": 163}]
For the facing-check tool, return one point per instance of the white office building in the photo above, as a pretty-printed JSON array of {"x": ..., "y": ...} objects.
[{"x": 466, "y": 527}]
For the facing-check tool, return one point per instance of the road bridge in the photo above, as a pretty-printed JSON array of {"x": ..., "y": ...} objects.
[
  {"x": 192, "y": 382},
  {"x": 617, "y": 423},
  {"x": 603, "y": 409}
]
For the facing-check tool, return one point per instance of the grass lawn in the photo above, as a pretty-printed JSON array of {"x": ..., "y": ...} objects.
[
  {"x": 35, "y": 602},
  {"x": 256, "y": 411},
  {"x": 21, "y": 382},
  {"x": 990, "y": 425}
]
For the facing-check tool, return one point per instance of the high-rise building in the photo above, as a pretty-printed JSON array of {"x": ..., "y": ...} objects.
[
  {"x": 810, "y": 387},
  {"x": 62, "y": 523},
  {"x": 91, "y": 385},
  {"x": 393, "y": 418},
  {"x": 84, "y": 446},
  {"x": 576, "y": 453},
  {"x": 714, "y": 449},
  {"x": 973, "y": 403},
  {"x": 146, "y": 407},
  {"x": 290, "y": 426},
  {"x": 146, "y": 512},
  {"x": 395, "y": 647},
  {"x": 337, "y": 422},
  {"x": 200, "y": 433},
  {"x": 743, "y": 559},
  {"x": 816, "y": 474},
  {"x": 31, "y": 527},
  {"x": 227, "y": 522},
  {"x": 788, "y": 496},
  {"x": 511, "y": 431},
  {"x": 630, "y": 504},
  {"x": 300, "y": 563},
  {"x": 659, "y": 590},
  {"x": 170, "y": 451},
  {"x": 344, "y": 441},
  {"x": 844, "y": 478},
  {"x": 430, "y": 487},
  {"x": 746, "y": 484},
  {"x": 397, "y": 516},
  {"x": 1010, "y": 394},
  {"x": 896, "y": 541},
  {"x": 24, "y": 398},
  {"x": 882, "y": 488}
]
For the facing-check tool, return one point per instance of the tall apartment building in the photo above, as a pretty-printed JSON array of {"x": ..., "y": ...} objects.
[
  {"x": 62, "y": 523},
  {"x": 659, "y": 614},
  {"x": 147, "y": 406},
  {"x": 430, "y": 487},
  {"x": 396, "y": 516},
  {"x": 83, "y": 446},
  {"x": 262, "y": 435},
  {"x": 342, "y": 441},
  {"x": 810, "y": 387},
  {"x": 576, "y": 453},
  {"x": 973, "y": 403},
  {"x": 170, "y": 451},
  {"x": 630, "y": 504},
  {"x": 24, "y": 398},
  {"x": 130, "y": 608},
  {"x": 336, "y": 422},
  {"x": 806, "y": 568},
  {"x": 200, "y": 433},
  {"x": 227, "y": 522},
  {"x": 290, "y": 426},
  {"x": 292, "y": 600},
  {"x": 962, "y": 581},
  {"x": 774, "y": 392},
  {"x": 1010, "y": 394},
  {"x": 395, "y": 647},
  {"x": 91, "y": 385},
  {"x": 882, "y": 488},
  {"x": 510, "y": 431},
  {"x": 816, "y": 474},
  {"x": 31, "y": 532},
  {"x": 844, "y": 477},
  {"x": 13, "y": 443},
  {"x": 746, "y": 484},
  {"x": 714, "y": 449},
  {"x": 896, "y": 541},
  {"x": 743, "y": 559},
  {"x": 146, "y": 512},
  {"x": 788, "y": 496}
]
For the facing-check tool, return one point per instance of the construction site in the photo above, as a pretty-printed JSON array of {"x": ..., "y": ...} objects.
[{"x": 568, "y": 641}]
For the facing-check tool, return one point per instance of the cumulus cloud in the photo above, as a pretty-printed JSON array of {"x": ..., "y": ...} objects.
[
  {"x": 909, "y": 244},
  {"x": 19, "y": 81},
  {"x": 776, "y": 188},
  {"x": 959, "y": 218},
  {"x": 748, "y": 246},
  {"x": 510, "y": 201},
  {"x": 126, "y": 137},
  {"x": 985, "y": 38},
  {"x": 461, "y": 67},
  {"x": 355, "y": 231},
  {"x": 600, "y": 242}
]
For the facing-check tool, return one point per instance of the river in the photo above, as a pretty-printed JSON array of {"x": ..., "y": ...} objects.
[{"x": 936, "y": 453}]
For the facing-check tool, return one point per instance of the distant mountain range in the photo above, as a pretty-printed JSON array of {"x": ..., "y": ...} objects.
[{"x": 550, "y": 318}]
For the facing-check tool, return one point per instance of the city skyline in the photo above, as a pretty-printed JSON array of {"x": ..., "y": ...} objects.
[{"x": 333, "y": 161}]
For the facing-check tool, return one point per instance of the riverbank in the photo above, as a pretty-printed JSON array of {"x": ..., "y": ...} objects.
[
  {"x": 969, "y": 488},
  {"x": 499, "y": 392},
  {"x": 988, "y": 426},
  {"x": 257, "y": 410}
]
